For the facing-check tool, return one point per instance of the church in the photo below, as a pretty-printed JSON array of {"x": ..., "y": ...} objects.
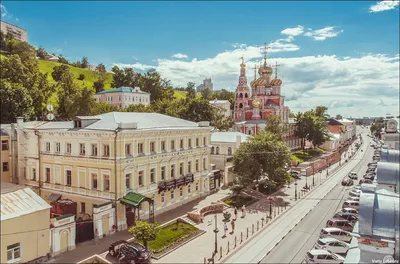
[{"x": 253, "y": 107}]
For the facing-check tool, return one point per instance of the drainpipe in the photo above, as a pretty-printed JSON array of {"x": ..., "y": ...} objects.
[
  {"x": 115, "y": 179},
  {"x": 40, "y": 166}
]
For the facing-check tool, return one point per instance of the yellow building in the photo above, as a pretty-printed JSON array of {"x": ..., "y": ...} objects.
[
  {"x": 6, "y": 165},
  {"x": 110, "y": 164},
  {"x": 25, "y": 224}
]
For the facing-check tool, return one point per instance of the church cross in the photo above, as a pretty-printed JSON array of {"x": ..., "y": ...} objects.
[
  {"x": 276, "y": 69},
  {"x": 255, "y": 71},
  {"x": 265, "y": 50}
]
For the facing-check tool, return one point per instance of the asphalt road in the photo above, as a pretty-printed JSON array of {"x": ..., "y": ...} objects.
[{"x": 302, "y": 238}]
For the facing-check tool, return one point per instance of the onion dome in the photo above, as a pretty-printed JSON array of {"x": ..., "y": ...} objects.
[
  {"x": 276, "y": 82},
  {"x": 256, "y": 102}
]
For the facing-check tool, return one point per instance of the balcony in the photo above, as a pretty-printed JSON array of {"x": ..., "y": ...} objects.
[{"x": 174, "y": 183}]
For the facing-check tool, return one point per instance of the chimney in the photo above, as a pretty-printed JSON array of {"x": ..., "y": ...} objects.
[
  {"x": 238, "y": 140},
  {"x": 20, "y": 121}
]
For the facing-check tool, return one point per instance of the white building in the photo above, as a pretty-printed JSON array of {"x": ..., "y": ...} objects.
[
  {"x": 391, "y": 133},
  {"x": 123, "y": 97},
  {"x": 17, "y": 32},
  {"x": 223, "y": 107}
]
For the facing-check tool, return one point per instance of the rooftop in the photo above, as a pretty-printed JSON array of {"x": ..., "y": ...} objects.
[
  {"x": 228, "y": 137},
  {"x": 19, "y": 200},
  {"x": 219, "y": 101},
  {"x": 334, "y": 122},
  {"x": 123, "y": 90}
]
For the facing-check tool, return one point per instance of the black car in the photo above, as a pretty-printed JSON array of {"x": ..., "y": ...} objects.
[
  {"x": 346, "y": 216},
  {"x": 129, "y": 252},
  {"x": 347, "y": 182}
]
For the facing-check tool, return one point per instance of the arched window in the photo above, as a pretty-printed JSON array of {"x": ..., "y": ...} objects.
[
  {"x": 212, "y": 150},
  {"x": 217, "y": 152},
  {"x": 249, "y": 132},
  {"x": 229, "y": 151},
  {"x": 240, "y": 95},
  {"x": 246, "y": 95},
  {"x": 240, "y": 105}
]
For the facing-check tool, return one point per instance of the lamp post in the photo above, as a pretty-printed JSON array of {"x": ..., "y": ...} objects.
[
  {"x": 216, "y": 234},
  {"x": 313, "y": 173},
  {"x": 295, "y": 190},
  {"x": 270, "y": 207},
  {"x": 320, "y": 174}
]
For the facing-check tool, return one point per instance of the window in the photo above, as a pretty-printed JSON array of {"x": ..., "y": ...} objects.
[
  {"x": 229, "y": 151},
  {"x": 172, "y": 171},
  {"x": 68, "y": 148},
  {"x": 127, "y": 180},
  {"x": 94, "y": 181},
  {"x": 181, "y": 144},
  {"x": 47, "y": 174},
  {"x": 140, "y": 148},
  {"x": 217, "y": 151},
  {"x": 197, "y": 186},
  {"x": 106, "y": 182},
  {"x": 212, "y": 150},
  {"x": 197, "y": 142},
  {"x": 181, "y": 168},
  {"x": 197, "y": 165},
  {"x": 94, "y": 149},
  {"x": 162, "y": 145},
  {"x": 5, "y": 166},
  {"x": 58, "y": 147},
  {"x": 181, "y": 191},
  {"x": 127, "y": 149},
  {"x": 189, "y": 166},
  {"x": 47, "y": 146},
  {"x": 69, "y": 177},
  {"x": 34, "y": 174},
  {"x": 152, "y": 147},
  {"x": 172, "y": 144},
  {"x": 205, "y": 141},
  {"x": 4, "y": 145},
  {"x": 172, "y": 195},
  {"x": 189, "y": 143},
  {"x": 152, "y": 174},
  {"x": 78, "y": 123},
  {"x": 163, "y": 173},
  {"x": 204, "y": 164},
  {"x": 83, "y": 207},
  {"x": 106, "y": 150},
  {"x": 162, "y": 198},
  {"x": 140, "y": 178},
  {"x": 82, "y": 148},
  {"x": 13, "y": 252},
  {"x": 188, "y": 188}
]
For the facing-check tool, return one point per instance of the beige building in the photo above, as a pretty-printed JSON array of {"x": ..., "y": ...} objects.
[
  {"x": 223, "y": 107},
  {"x": 18, "y": 33},
  {"x": 25, "y": 225},
  {"x": 110, "y": 164},
  {"x": 6, "y": 165},
  {"x": 123, "y": 97}
]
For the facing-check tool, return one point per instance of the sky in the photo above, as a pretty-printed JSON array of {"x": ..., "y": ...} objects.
[{"x": 341, "y": 54}]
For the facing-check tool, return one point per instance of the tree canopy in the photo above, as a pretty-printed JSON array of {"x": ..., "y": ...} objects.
[
  {"x": 311, "y": 126},
  {"x": 144, "y": 231}
]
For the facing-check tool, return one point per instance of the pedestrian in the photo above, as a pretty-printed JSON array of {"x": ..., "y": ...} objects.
[
  {"x": 233, "y": 226},
  {"x": 96, "y": 236},
  {"x": 235, "y": 212},
  {"x": 225, "y": 229},
  {"x": 244, "y": 210}
]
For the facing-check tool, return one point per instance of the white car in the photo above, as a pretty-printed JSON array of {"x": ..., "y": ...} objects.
[
  {"x": 355, "y": 193},
  {"x": 333, "y": 245},
  {"x": 353, "y": 198},
  {"x": 351, "y": 204},
  {"x": 335, "y": 232},
  {"x": 357, "y": 187},
  {"x": 322, "y": 256},
  {"x": 350, "y": 210}
]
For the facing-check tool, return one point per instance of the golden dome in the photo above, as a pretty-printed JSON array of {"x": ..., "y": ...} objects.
[
  {"x": 265, "y": 70},
  {"x": 256, "y": 103},
  {"x": 276, "y": 82}
]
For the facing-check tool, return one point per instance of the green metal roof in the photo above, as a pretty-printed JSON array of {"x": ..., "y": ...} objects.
[
  {"x": 63, "y": 216},
  {"x": 133, "y": 198},
  {"x": 117, "y": 90}
]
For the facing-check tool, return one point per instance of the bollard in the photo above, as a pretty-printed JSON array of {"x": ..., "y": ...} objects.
[
  {"x": 235, "y": 242},
  {"x": 257, "y": 225},
  {"x": 241, "y": 237},
  {"x": 252, "y": 228},
  {"x": 228, "y": 248},
  {"x": 220, "y": 252},
  {"x": 247, "y": 235},
  {"x": 204, "y": 260},
  {"x": 262, "y": 222}
]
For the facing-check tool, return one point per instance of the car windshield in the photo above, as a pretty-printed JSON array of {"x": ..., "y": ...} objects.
[
  {"x": 311, "y": 256},
  {"x": 323, "y": 231},
  {"x": 320, "y": 242}
]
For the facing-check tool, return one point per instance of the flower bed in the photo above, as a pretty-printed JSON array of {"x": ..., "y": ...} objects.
[{"x": 239, "y": 200}]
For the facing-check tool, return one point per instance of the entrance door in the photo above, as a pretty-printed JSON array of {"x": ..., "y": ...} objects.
[
  {"x": 64, "y": 241},
  {"x": 130, "y": 216},
  {"x": 105, "y": 224}
]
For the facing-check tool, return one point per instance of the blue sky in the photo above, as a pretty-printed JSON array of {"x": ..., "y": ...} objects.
[{"x": 208, "y": 37}]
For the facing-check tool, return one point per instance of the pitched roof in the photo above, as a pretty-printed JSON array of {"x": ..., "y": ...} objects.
[
  {"x": 122, "y": 90},
  {"x": 334, "y": 122},
  {"x": 228, "y": 137},
  {"x": 133, "y": 198}
]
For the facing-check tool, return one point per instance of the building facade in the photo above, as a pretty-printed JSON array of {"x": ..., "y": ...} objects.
[
  {"x": 391, "y": 133},
  {"x": 123, "y": 97},
  {"x": 6, "y": 164},
  {"x": 207, "y": 84},
  {"x": 18, "y": 33},
  {"x": 25, "y": 225},
  {"x": 110, "y": 164},
  {"x": 222, "y": 106}
]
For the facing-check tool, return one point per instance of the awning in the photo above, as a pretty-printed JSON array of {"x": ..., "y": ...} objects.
[
  {"x": 54, "y": 197},
  {"x": 132, "y": 198}
]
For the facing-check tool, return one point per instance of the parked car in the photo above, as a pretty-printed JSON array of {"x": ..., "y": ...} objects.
[
  {"x": 333, "y": 245},
  {"x": 295, "y": 175},
  {"x": 322, "y": 256},
  {"x": 340, "y": 223},
  {"x": 353, "y": 175},
  {"x": 372, "y": 163},
  {"x": 357, "y": 187},
  {"x": 351, "y": 204},
  {"x": 371, "y": 145},
  {"x": 347, "y": 182},
  {"x": 355, "y": 193},
  {"x": 357, "y": 199},
  {"x": 350, "y": 210},
  {"x": 130, "y": 252},
  {"x": 346, "y": 216},
  {"x": 335, "y": 233},
  {"x": 369, "y": 177},
  {"x": 368, "y": 181}
]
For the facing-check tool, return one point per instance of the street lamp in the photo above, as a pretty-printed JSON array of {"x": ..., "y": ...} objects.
[
  {"x": 270, "y": 207},
  {"x": 216, "y": 234},
  {"x": 295, "y": 190},
  {"x": 320, "y": 174},
  {"x": 313, "y": 173}
]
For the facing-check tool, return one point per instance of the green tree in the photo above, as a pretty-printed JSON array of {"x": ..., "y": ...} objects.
[
  {"x": 41, "y": 53},
  {"x": 101, "y": 68},
  {"x": 103, "y": 107},
  {"x": 15, "y": 102},
  {"x": 222, "y": 122},
  {"x": 81, "y": 77},
  {"x": 321, "y": 111},
  {"x": 263, "y": 159},
  {"x": 123, "y": 77},
  {"x": 139, "y": 108},
  {"x": 144, "y": 231},
  {"x": 68, "y": 94},
  {"x": 190, "y": 91},
  {"x": 275, "y": 125},
  {"x": 84, "y": 102},
  {"x": 376, "y": 128},
  {"x": 206, "y": 94},
  {"x": 85, "y": 62},
  {"x": 165, "y": 106},
  {"x": 62, "y": 59},
  {"x": 198, "y": 110},
  {"x": 58, "y": 71}
]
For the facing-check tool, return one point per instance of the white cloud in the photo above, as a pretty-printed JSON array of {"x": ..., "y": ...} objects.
[
  {"x": 383, "y": 6},
  {"x": 239, "y": 45},
  {"x": 17, "y": 19},
  {"x": 136, "y": 66},
  {"x": 323, "y": 33},
  {"x": 293, "y": 31},
  {"x": 3, "y": 10},
  {"x": 180, "y": 56}
]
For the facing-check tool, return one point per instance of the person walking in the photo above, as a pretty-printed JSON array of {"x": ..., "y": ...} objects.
[
  {"x": 225, "y": 229},
  {"x": 235, "y": 212},
  {"x": 233, "y": 226},
  {"x": 243, "y": 211},
  {"x": 96, "y": 236}
]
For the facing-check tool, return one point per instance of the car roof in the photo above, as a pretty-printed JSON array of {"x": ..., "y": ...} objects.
[
  {"x": 329, "y": 239},
  {"x": 331, "y": 229},
  {"x": 349, "y": 208},
  {"x": 319, "y": 251},
  {"x": 137, "y": 245}
]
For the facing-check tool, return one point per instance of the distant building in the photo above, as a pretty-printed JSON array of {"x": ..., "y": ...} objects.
[
  {"x": 390, "y": 135},
  {"x": 123, "y": 97},
  {"x": 17, "y": 32},
  {"x": 223, "y": 106},
  {"x": 207, "y": 83},
  {"x": 6, "y": 165},
  {"x": 51, "y": 57},
  {"x": 91, "y": 67}
]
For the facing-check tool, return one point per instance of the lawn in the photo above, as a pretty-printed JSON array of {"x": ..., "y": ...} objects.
[
  {"x": 307, "y": 155},
  {"x": 239, "y": 200},
  {"x": 170, "y": 235}
]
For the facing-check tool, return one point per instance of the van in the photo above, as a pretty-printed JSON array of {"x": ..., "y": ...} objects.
[{"x": 351, "y": 204}]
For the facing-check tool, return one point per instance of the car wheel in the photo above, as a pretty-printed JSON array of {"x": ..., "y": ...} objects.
[{"x": 112, "y": 252}]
